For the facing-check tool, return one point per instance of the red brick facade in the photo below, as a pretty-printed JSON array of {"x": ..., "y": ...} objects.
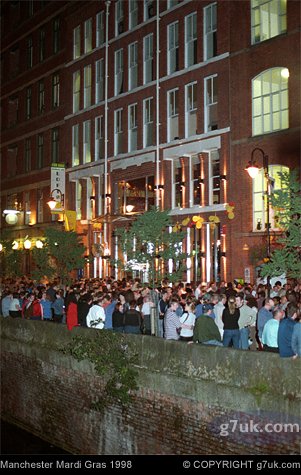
[{"x": 234, "y": 64}]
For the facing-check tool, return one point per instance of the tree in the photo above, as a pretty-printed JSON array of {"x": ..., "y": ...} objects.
[
  {"x": 150, "y": 243},
  {"x": 11, "y": 259},
  {"x": 66, "y": 252},
  {"x": 287, "y": 206}
]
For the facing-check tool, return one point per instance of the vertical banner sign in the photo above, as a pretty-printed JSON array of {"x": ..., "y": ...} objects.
[
  {"x": 58, "y": 185},
  {"x": 70, "y": 220}
]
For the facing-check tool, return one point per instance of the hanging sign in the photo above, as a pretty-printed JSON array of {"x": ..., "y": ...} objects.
[{"x": 57, "y": 185}]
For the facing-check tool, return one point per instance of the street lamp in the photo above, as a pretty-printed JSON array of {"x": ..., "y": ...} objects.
[
  {"x": 60, "y": 198},
  {"x": 253, "y": 169}
]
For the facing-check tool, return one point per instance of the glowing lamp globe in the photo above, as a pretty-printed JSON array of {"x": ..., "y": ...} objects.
[
  {"x": 27, "y": 244},
  {"x": 11, "y": 218}
]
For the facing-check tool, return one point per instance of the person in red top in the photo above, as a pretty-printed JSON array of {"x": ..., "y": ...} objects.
[{"x": 72, "y": 318}]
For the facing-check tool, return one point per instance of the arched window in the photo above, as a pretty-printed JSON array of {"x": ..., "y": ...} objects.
[
  {"x": 270, "y": 101},
  {"x": 260, "y": 197}
]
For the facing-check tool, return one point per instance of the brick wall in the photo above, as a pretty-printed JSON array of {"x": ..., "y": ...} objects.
[{"x": 185, "y": 393}]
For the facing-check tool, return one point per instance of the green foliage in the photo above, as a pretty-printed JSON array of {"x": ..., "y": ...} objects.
[
  {"x": 112, "y": 358},
  {"x": 148, "y": 239},
  {"x": 257, "y": 253},
  {"x": 66, "y": 251},
  {"x": 287, "y": 205},
  {"x": 41, "y": 264},
  {"x": 11, "y": 261}
]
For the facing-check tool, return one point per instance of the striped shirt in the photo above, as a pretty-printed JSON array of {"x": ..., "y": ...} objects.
[{"x": 171, "y": 323}]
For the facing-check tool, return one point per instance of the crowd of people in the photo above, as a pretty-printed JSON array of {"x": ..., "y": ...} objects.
[{"x": 245, "y": 317}]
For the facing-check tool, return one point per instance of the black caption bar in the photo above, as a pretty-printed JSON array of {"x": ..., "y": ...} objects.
[{"x": 178, "y": 463}]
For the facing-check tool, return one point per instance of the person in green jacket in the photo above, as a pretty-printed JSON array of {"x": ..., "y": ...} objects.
[{"x": 206, "y": 330}]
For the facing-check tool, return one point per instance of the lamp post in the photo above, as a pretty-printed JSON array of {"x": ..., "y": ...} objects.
[
  {"x": 253, "y": 169},
  {"x": 60, "y": 198}
]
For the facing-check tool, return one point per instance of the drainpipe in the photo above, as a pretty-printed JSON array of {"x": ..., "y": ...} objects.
[
  {"x": 105, "y": 208},
  {"x": 157, "y": 174},
  {"x": 106, "y": 107}
]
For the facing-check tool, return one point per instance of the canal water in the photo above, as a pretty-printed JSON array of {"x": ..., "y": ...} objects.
[{"x": 18, "y": 441}]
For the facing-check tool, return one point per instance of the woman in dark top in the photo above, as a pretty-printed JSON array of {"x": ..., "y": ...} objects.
[
  {"x": 230, "y": 319},
  {"x": 132, "y": 319},
  {"x": 118, "y": 318}
]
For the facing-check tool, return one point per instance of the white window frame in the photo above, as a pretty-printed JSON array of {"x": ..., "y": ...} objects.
[
  {"x": 118, "y": 130},
  {"x": 119, "y": 18},
  {"x": 260, "y": 189},
  {"x": 40, "y": 151},
  {"x": 76, "y": 92},
  {"x": 210, "y": 31},
  {"x": 55, "y": 145},
  {"x": 265, "y": 24},
  {"x": 87, "y": 85},
  {"x": 132, "y": 126},
  {"x": 78, "y": 199},
  {"x": 175, "y": 183},
  {"x": 133, "y": 13},
  {"x": 28, "y": 102},
  {"x": 88, "y": 36},
  {"x": 190, "y": 110},
  {"x": 40, "y": 214},
  {"x": 194, "y": 181},
  {"x": 171, "y": 114},
  {"x": 149, "y": 5},
  {"x": 148, "y": 118},
  {"x": 75, "y": 145},
  {"x": 99, "y": 123},
  {"x": 27, "y": 155},
  {"x": 173, "y": 46},
  {"x": 89, "y": 192},
  {"x": 148, "y": 57},
  {"x": 55, "y": 90},
  {"x": 191, "y": 37},
  {"x": 133, "y": 65},
  {"x": 270, "y": 102},
  {"x": 211, "y": 158},
  {"x": 87, "y": 141},
  {"x": 76, "y": 42},
  {"x": 209, "y": 101},
  {"x": 41, "y": 100},
  {"x": 99, "y": 81},
  {"x": 118, "y": 78},
  {"x": 26, "y": 207},
  {"x": 172, "y": 3},
  {"x": 29, "y": 52},
  {"x": 100, "y": 29}
]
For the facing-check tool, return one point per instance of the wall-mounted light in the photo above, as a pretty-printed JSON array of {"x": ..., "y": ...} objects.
[
  {"x": 159, "y": 187},
  {"x": 39, "y": 244},
  {"x": 246, "y": 247},
  {"x": 223, "y": 254},
  {"x": 129, "y": 208},
  {"x": 108, "y": 195},
  {"x": 1, "y": 247},
  {"x": 92, "y": 198},
  {"x": 201, "y": 181},
  {"x": 258, "y": 225},
  {"x": 52, "y": 203},
  {"x": 223, "y": 177},
  {"x": 27, "y": 244},
  {"x": 11, "y": 218},
  {"x": 15, "y": 246}
]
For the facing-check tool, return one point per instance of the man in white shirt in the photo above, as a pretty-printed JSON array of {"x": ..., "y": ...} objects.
[{"x": 96, "y": 315}]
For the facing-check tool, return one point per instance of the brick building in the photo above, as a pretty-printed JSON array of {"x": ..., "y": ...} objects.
[{"x": 151, "y": 103}]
